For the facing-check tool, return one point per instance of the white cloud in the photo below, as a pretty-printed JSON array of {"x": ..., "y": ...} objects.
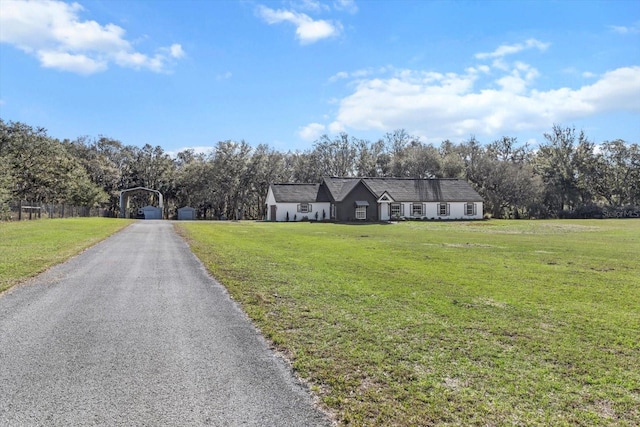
[
  {"x": 518, "y": 79},
  {"x": 311, "y": 132},
  {"x": 224, "y": 76},
  {"x": 197, "y": 149},
  {"x": 346, "y": 5},
  {"x": 438, "y": 106},
  {"x": 480, "y": 68},
  {"x": 78, "y": 63},
  {"x": 310, "y": 5},
  {"x": 615, "y": 90},
  {"x": 337, "y": 127},
  {"x": 176, "y": 51},
  {"x": 631, "y": 29},
  {"x": 339, "y": 76},
  {"x": 575, "y": 72},
  {"x": 53, "y": 32},
  {"x": 359, "y": 74},
  {"x": 505, "y": 50},
  {"x": 307, "y": 29}
]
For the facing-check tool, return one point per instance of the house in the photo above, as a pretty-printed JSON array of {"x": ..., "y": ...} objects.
[{"x": 374, "y": 199}]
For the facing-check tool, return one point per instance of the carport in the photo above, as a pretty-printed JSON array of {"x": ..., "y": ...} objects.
[{"x": 125, "y": 197}]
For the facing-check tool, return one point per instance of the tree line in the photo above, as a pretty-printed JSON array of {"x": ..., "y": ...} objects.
[{"x": 567, "y": 175}]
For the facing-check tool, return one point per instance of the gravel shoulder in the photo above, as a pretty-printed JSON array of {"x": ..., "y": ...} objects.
[{"x": 134, "y": 331}]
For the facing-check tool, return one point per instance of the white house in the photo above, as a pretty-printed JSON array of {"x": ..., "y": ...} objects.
[
  {"x": 295, "y": 202},
  {"x": 374, "y": 199}
]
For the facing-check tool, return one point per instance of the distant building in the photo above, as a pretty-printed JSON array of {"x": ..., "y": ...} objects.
[
  {"x": 186, "y": 213},
  {"x": 150, "y": 212}
]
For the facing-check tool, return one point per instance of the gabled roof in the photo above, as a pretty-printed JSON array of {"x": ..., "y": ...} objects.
[
  {"x": 295, "y": 193},
  {"x": 340, "y": 187},
  {"x": 407, "y": 189}
]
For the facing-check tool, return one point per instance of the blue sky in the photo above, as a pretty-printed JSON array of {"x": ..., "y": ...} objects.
[{"x": 189, "y": 73}]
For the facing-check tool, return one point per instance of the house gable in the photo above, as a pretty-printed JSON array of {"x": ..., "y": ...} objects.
[
  {"x": 340, "y": 187},
  {"x": 385, "y": 198},
  {"x": 360, "y": 198}
]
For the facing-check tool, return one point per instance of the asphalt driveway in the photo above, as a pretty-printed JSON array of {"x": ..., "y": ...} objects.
[{"x": 135, "y": 332}]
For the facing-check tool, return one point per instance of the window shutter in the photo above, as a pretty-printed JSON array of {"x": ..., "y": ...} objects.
[
  {"x": 401, "y": 209},
  {"x": 298, "y": 207},
  {"x": 424, "y": 209},
  {"x": 448, "y": 209},
  {"x": 310, "y": 210},
  {"x": 475, "y": 210}
]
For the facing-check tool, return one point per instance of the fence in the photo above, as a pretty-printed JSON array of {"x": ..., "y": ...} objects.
[{"x": 20, "y": 211}]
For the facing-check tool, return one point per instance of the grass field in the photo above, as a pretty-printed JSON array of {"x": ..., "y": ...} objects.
[
  {"x": 30, "y": 247},
  {"x": 434, "y": 323}
]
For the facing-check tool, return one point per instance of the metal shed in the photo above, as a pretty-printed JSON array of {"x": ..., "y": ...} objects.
[
  {"x": 151, "y": 212},
  {"x": 186, "y": 213}
]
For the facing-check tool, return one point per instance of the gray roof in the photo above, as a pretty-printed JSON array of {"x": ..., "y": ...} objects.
[
  {"x": 295, "y": 193},
  {"x": 407, "y": 189},
  {"x": 340, "y": 187}
]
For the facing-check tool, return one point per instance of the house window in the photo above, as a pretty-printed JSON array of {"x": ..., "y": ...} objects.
[
  {"x": 470, "y": 209},
  {"x": 361, "y": 212},
  {"x": 304, "y": 207},
  {"x": 443, "y": 209},
  {"x": 395, "y": 210},
  {"x": 416, "y": 209}
]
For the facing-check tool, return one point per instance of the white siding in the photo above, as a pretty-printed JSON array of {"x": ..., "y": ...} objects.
[
  {"x": 456, "y": 210},
  {"x": 292, "y": 208},
  {"x": 271, "y": 200},
  {"x": 431, "y": 210}
]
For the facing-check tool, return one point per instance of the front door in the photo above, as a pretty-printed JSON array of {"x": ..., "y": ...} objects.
[
  {"x": 384, "y": 210},
  {"x": 272, "y": 217}
]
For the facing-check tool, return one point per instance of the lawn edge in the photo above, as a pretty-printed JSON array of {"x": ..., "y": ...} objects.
[{"x": 44, "y": 269}]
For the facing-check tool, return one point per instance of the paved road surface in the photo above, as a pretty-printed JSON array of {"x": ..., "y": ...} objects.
[{"x": 134, "y": 332}]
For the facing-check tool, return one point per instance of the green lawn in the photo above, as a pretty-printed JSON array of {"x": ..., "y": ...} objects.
[
  {"x": 30, "y": 247},
  {"x": 435, "y": 323}
]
